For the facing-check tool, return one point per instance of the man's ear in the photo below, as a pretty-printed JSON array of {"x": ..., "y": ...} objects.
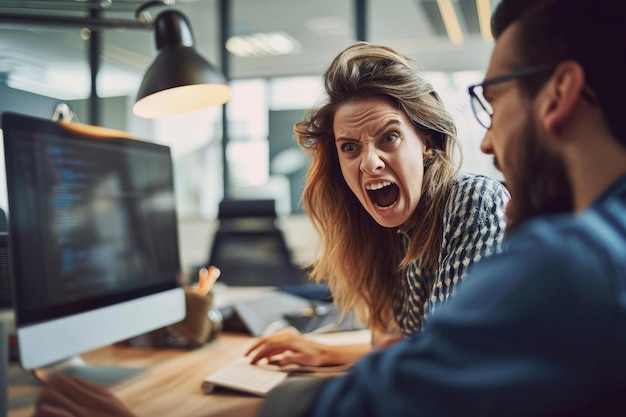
[{"x": 561, "y": 95}]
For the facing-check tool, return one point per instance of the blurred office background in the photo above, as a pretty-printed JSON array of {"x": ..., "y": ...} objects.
[{"x": 277, "y": 51}]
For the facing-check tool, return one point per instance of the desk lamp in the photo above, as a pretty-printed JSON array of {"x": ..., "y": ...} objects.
[{"x": 179, "y": 80}]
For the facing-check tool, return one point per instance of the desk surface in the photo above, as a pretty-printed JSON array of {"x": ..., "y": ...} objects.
[{"x": 171, "y": 386}]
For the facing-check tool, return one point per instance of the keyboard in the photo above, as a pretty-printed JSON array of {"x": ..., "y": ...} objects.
[{"x": 241, "y": 376}]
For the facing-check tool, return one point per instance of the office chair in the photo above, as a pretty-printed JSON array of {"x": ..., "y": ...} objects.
[{"x": 250, "y": 249}]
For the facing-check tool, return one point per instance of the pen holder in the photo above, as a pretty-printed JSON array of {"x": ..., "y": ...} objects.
[{"x": 202, "y": 323}]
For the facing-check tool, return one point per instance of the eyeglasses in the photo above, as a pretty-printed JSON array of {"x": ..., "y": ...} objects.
[{"x": 481, "y": 107}]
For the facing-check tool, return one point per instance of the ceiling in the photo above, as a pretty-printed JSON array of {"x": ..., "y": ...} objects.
[{"x": 52, "y": 58}]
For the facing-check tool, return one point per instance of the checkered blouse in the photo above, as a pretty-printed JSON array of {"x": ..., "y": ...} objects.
[{"x": 473, "y": 228}]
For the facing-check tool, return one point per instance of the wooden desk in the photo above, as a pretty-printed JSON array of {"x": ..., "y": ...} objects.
[{"x": 171, "y": 387}]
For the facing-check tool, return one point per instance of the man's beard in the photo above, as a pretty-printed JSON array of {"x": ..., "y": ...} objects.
[{"x": 540, "y": 185}]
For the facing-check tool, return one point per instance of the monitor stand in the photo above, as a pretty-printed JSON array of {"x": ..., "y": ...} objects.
[{"x": 76, "y": 366}]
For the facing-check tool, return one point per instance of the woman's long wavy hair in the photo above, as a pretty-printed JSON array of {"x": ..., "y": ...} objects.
[{"x": 361, "y": 260}]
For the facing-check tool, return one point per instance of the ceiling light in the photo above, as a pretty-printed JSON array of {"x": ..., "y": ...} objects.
[
  {"x": 179, "y": 80},
  {"x": 483, "y": 7},
  {"x": 327, "y": 26},
  {"x": 262, "y": 44},
  {"x": 450, "y": 21}
]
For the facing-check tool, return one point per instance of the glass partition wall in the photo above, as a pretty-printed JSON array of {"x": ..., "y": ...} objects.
[{"x": 276, "y": 52}]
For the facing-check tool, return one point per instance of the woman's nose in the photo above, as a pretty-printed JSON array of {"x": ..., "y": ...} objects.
[{"x": 371, "y": 162}]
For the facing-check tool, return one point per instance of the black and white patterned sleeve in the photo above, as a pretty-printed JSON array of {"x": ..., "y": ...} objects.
[{"x": 474, "y": 225}]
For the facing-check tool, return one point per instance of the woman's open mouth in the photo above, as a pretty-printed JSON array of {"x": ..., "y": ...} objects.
[{"x": 383, "y": 194}]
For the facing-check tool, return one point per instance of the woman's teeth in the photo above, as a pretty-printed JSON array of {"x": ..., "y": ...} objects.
[{"x": 377, "y": 186}]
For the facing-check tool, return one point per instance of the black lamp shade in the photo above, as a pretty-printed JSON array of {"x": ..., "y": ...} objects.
[{"x": 179, "y": 80}]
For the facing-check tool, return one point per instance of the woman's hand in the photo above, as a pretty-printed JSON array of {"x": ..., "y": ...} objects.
[
  {"x": 68, "y": 396},
  {"x": 286, "y": 347}
]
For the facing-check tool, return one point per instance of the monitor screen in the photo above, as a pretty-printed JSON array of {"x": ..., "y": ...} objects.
[{"x": 93, "y": 237}]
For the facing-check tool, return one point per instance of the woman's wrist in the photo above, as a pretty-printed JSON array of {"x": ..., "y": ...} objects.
[{"x": 343, "y": 354}]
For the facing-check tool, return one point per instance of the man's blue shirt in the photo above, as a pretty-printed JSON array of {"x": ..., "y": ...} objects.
[{"x": 537, "y": 330}]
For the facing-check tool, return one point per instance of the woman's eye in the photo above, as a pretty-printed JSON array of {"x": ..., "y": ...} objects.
[
  {"x": 390, "y": 137},
  {"x": 348, "y": 147}
]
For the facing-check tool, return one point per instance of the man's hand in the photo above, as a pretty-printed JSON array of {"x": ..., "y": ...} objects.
[{"x": 68, "y": 396}]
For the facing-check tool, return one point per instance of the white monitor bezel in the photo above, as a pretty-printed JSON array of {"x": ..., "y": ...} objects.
[{"x": 45, "y": 341}]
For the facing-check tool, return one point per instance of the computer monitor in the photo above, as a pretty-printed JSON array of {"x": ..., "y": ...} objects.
[{"x": 93, "y": 236}]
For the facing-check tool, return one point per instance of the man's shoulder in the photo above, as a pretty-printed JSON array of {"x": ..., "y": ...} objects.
[
  {"x": 559, "y": 262},
  {"x": 601, "y": 230},
  {"x": 599, "y": 219}
]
